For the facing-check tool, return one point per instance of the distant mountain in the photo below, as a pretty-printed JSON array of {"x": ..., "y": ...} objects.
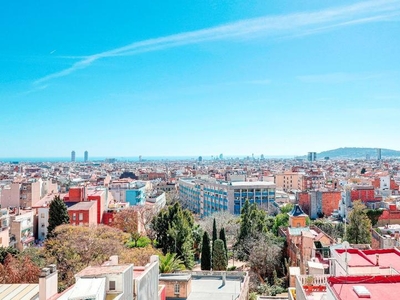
[{"x": 352, "y": 152}]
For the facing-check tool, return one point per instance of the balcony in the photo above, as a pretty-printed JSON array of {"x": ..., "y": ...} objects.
[{"x": 310, "y": 287}]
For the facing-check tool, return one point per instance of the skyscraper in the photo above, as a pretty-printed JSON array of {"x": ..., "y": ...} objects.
[
  {"x": 379, "y": 153},
  {"x": 86, "y": 156},
  {"x": 73, "y": 156},
  {"x": 312, "y": 156}
]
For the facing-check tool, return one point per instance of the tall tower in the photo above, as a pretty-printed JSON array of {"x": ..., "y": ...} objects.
[
  {"x": 312, "y": 156},
  {"x": 379, "y": 153},
  {"x": 86, "y": 156},
  {"x": 73, "y": 156}
]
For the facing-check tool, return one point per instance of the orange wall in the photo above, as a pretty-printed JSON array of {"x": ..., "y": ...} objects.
[{"x": 330, "y": 201}]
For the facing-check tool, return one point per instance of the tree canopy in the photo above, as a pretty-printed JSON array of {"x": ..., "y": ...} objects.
[
  {"x": 219, "y": 260},
  {"x": 58, "y": 215},
  {"x": 206, "y": 252},
  {"x": 174, "y": 229},
  {"x": 358, "y": 230}
]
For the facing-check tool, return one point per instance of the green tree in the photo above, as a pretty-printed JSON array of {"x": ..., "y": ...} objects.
[
  {"x": 4, "y": 251},
  {"x": 58, "y": 215},
  {"x": 363, "y": 171},
  {"x": 252, "y": 223},
  {"x": 223, "y": 238},
  {"x": 358, "y": 230},
  {"x": 373, "y": 215},
  {"x": 206, "y": 252},
  {"x": 174, "y": 227},
  {"x": 214, "y": 232},
  {"x": 219, "y": 261},
  {"x": 170, "y": 263}
]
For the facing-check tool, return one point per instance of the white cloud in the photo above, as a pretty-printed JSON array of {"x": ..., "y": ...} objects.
[{"x": 289, "y": 25}]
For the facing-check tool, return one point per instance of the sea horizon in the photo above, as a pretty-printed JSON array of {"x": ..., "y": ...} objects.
[{"x": 131, "y": 158}]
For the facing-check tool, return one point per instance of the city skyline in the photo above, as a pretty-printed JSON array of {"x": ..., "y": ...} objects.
[{"x": 272, "y": 78}]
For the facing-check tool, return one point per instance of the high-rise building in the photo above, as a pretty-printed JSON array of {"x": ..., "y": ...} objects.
[
  {"x": 379, "y": 153},
  {"x": 207, "y": 196},
  {"x": 86, "y": 156},
  {"x": 73, "y": 156},
  {"x": 312, "y": 156}
]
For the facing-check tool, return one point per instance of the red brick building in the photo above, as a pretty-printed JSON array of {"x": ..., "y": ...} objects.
[
  {"x": 83, "y": 213},
  {"x": 316, "y": 202},
  {"x": 365, "y": 193}
]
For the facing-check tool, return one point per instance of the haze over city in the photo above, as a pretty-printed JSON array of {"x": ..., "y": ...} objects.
[{"x": 200, "y": 78}]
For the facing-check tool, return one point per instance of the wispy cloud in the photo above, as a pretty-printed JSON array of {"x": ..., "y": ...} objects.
[
  {"x": 291, "y": 25},
  {"x": 339, "y": 77},
  {"x": 36, "y": 88}
]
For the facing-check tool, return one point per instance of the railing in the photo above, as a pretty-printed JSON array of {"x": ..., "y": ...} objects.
[{"x": 313, "y": 279}]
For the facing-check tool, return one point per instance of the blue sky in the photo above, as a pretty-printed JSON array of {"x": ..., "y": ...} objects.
[{"x": 150, "y": 78}]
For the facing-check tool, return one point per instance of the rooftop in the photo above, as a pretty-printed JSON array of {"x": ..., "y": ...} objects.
[
  {"x": 208, "y": 288},
  {"x": 298, "y": 230},
  {"x": 18, "y": 291},
  {"x": 378, "y": 287},
  {"x": 85, "y": 205},
  {"x": 297, "y": 211},
  {"x": 103, "y": 270}
]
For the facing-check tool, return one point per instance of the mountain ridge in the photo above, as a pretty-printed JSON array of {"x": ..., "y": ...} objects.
[{"x": 358, "y": 152}]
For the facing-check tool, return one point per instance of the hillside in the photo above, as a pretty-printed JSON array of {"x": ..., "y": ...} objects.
[{"x": 353, "y": 152}]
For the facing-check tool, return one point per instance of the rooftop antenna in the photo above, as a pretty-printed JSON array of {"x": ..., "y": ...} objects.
[{"x": 347, "y": 258}]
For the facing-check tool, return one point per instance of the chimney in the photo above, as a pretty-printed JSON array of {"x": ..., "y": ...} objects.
[
  {"x": 114, "y": 260},
  {"x": 48, "y": 282}
]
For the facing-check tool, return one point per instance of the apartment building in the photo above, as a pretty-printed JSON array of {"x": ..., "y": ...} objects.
[
  {"x": 289, "y": 181},
  {"x": 21, "y": 229},
  {"x": 207, "y": 196},
  {"x": 127, "y": 190}
]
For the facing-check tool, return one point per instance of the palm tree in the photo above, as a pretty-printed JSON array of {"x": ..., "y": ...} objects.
[{"x": 169, "y": 263}]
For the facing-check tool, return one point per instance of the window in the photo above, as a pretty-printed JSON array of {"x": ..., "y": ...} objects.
[
  {"x": 42, "y": 215},
  {"x": 112, "y": 285},
  {"x": 74, "y": 216},
  {"x": 177, "y": 288},
  {"x": 80, "y": 216}
]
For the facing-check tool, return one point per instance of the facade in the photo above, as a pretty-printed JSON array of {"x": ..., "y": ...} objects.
[
  {"x": 73, "y": 156},
  {"x": 289, "y": 181},
  {"x": 379, "y": 153},
  {"x": 319, "y": 203},
  {"x": 207, "y": 196},
  {"x": 365, "y": 193},
  {"x": 30, "y": 193},
  {"x": 21, "y": 230},
  {"x": 83, "y": 213},
  {"x": 218, "y": 285},
  {"x": 101, "y": 196},
  {"x": 126, "y": 190},
  {"x": 86, "y": 156},
  {"x": 43, "y": 222},
  {"x": 4, "y": 227},
  {"x": 114, "y": 281},
  {"x": 312, "y": 156},
  {"x": 10, "y": 195}
]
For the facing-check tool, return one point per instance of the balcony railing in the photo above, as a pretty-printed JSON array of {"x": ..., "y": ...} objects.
[{"x": 313, "y": 279}]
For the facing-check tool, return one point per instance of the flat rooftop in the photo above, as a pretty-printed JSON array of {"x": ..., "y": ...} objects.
[
  {"x": 85, "y": 205},
  {"x": 387, "y": 257},
  {"x": 103, "y": 270},
  {"x": 378, "y": 287},
  {"x": 356, "y": 258},
  {"x": 204, "y": 288}
]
